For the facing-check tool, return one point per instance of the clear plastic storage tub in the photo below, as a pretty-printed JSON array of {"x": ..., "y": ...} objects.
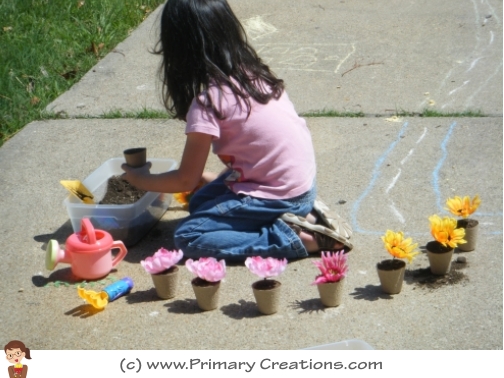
[{"x": 128, "y": 223}]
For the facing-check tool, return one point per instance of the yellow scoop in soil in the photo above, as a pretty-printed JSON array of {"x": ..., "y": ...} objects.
[{"x": 79, "y": 190}]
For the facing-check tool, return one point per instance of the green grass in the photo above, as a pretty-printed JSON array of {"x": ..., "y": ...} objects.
[
  {"x": 432, "y": 113},
  {"x": 332, "y": 113},
  {"x": 142, "y": 114},
  {"x": 467, "y": 113},
  {"x": 402, "y": 113},
  {"x": 48, "y": 45},
  {"x": 117, "y": 113}
]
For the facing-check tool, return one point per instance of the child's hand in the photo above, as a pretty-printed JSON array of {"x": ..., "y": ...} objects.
[{"x": 136, "y": 176}]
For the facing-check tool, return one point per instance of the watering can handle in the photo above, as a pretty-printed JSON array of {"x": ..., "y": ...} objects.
[
  {"x": 88, "y": 230},
  {"x": 122, "y": 252}
]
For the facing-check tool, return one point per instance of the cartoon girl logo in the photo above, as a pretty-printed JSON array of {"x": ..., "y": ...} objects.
[{"x": 15, "y": 351}]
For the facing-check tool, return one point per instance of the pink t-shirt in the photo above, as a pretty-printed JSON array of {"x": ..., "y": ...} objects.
[{"x": 270, "y": 152}]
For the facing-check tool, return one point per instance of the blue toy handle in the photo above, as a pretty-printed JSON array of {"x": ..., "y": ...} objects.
[{"x": 118, "y": 288}]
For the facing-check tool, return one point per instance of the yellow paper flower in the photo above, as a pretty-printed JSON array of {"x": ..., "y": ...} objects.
[
  {"x": 183, "y": 198},
  {"x": 463, "y": 207},
  {"x": 445, "y": 231},
  {"x": 399, "y": 247}
]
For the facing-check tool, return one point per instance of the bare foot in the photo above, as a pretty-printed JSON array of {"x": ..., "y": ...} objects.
[
  {"x": 311, "y": 245},
  {"x": 311, "y": 218}
]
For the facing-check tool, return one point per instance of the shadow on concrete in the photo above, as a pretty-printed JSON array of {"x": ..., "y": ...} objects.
[
  {"x": 83, "y": 311},
  {"x": 423, "y": 277},
  {"x": 143, "y": 296},
  {"x": 61, "y": 234},
  {"x": 185, "y": 306},
  {"x": 370, "y": 293},
  {"x": 308, "y": 306},
  {"x": 65, "y": 277},
  {"x": 161, "y": 235},
  {"x": 241, "y": 310}
]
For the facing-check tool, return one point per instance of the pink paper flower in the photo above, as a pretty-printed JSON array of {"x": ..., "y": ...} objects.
[
  {"x": 207, "y": 268},
  {"x": 265, "y": 267},
  {"x": 333, "y": 267},
  {"x": 161, "y": 260}
]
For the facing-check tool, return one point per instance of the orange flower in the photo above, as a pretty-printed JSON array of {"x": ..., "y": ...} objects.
[
  {"x": 445, "y": 232},
  {"x": 463, "y": 207}
]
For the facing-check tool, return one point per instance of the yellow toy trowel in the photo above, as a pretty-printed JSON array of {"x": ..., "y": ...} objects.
[{"x": 79, "y": 190}]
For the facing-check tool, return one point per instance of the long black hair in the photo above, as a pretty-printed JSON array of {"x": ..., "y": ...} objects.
[{"x": 202, "y": 44}]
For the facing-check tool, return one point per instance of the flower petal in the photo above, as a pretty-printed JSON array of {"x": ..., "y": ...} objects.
[
  {"x": 162, "y": 260},
  {"x": 399, "y": 247},
  {"x": 207, "y": 268},
  {"x": 265, "y": 267},
  {"x": 333, "y": 267}
]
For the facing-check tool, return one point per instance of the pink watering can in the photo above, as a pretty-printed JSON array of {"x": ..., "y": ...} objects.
[{"x": 88, "y": 251}]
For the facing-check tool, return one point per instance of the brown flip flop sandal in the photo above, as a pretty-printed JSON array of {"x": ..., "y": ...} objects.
[
  {"x": 331, "y": 220},
  {"x": 324, "y": 236}
]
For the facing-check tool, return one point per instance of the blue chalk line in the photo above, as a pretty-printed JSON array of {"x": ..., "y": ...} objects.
[
  {"x": 435, "y": 181},
  {"x": 374, "y": 177}
]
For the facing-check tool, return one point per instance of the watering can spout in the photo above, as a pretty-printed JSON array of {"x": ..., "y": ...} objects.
[{"x": 55, "y": 255}]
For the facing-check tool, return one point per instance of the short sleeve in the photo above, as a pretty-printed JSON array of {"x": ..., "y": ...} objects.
[{"x": 202, "y": 120}]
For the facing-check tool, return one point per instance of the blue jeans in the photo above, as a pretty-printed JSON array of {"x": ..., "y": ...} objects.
[{"x": 229, "y": 226}]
